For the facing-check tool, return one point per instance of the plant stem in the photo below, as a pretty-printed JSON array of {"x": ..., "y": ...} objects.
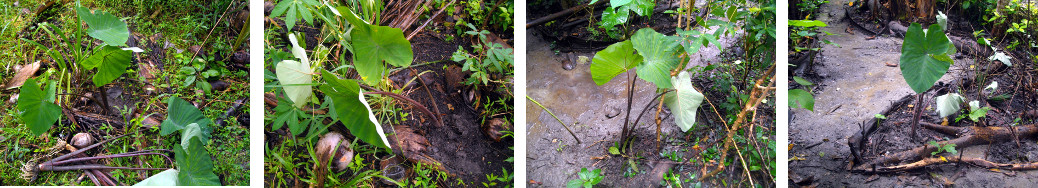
[
  {"x": 419, "y": 105},
  {"x": 630, "y": 96},
  {"x": 915, "y": 118},
  {"x": 556, "y": 118}
]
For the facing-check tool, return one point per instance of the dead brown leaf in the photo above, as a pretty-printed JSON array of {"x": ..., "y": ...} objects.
[{"x": 22, "y": 74}]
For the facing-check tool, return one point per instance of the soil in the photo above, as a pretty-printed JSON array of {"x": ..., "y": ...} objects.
[
  {"x": 595, "y": 114},
  {"x": 460, "y": 145},
  {"x": 854, "y": 82}
]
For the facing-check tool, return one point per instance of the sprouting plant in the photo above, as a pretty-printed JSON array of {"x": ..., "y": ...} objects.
[
  {"x": 587, "y": 179},
  {"x": 802, "y": 98},
  {"x": 950, "y": 148},
  {"x": 488, "y": 57},
  {"x": 108, "y": 60},
  {"x": 924, "y": 59},
  {"x": 804, "y": 31},
  {"x": 619, "y": 12},
  {"x": 197, "y": 73}
]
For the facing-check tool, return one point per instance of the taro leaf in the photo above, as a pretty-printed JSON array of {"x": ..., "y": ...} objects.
[
  {"x": 193, "y": 130},
  {"x": 999, "y": 56},
  {"x": 104, "y": 26},
  {"x": 293, "y": 10},
  {"x": 660, "y": 53},
  {"x": 684, "y": 102},
  {"x": 297, "y": 50},
  {"x": 295, "y": 78},
  {"x": 375, "y": 45},
  {"x": 111, "y": 62},
  {"x": 615, "y": 59},
  {"x": 195, "y": 164},
  {"x": 38, "y": 109},
  {"x": 993, "y": 86},
  {"x": 353, "y": 110},
  {"x": 181, "y": 115},
  {"x": 948, "y": 104},
  {"x": 611, "y": 17},
  {"x": 803, "y": 98},
  {"x": 618, "y": 3},
  {"x": 924, "y": 56},
  {"x": 164, "y": 178},
  {"x": 640, "y": 7}
]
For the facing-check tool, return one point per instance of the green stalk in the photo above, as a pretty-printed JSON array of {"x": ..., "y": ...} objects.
[{"x": 556, "y": 118}]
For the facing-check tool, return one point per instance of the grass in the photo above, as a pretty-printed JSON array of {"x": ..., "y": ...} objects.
[{"x": 182, "y": 23}]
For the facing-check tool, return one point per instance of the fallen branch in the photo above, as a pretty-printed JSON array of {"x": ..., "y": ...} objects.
[
  {"x": 967, "y": 136},
  {"x": 550, "y": 17},
  {"x": 757, "y": 94},
  {"x": 955, "y": 159}
]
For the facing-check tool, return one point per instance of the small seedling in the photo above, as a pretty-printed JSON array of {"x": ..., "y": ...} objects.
[
  {"x": 950, "y": 148},
  {"x": 587, "y": 179}
]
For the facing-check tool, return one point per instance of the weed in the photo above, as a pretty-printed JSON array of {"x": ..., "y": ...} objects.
[{"x": 587, "y": 179}]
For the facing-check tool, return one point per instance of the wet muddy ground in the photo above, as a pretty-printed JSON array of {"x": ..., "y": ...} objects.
[
  {"x": 595, "y": 114},
  {"x": 854, "y": 82}
]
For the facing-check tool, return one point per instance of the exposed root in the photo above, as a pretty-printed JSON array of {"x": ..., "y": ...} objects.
[
  {"x": 967, "y": 136},
  {"x": 955, "y": 159}
]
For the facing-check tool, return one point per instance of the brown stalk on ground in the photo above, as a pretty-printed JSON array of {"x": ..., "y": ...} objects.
[
  {"x": 967, "y": 136},
  {"x": 757, "y": 94}
]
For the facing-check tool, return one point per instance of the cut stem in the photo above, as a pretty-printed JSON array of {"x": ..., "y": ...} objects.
[{"x": 556, "y": 118}]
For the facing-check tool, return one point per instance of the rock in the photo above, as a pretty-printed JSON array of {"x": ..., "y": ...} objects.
[
  {"x": 197, "y": 49},
  {"x": 268, "y": 7},
  {"x": 334, "y": 146},
  {"x": 495, "y": 128},
  {"x": 219, "y": 85},
  {"x": 567, "y": 64},
  {"x": 82, "y": 140},
  {"x": 613, "y": 112},
  {"x": 14, "y": 98},
  {"x": 240, "y": 57}
]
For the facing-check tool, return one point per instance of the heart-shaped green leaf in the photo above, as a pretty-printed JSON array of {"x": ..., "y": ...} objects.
[
  {"x": 924, "y": 56},
  {"x": 660, "y": 53},
  {"x": 684, "y": 101},
  {"x": 195, "y": 164},
  {"x": 612, "y": 61},
  {"x": 803, "y": 98},
  {"x": 111, "y": 62},
  {"x": 353, "y": 110},
  {"x": 104, "y": 26},
  {"x": 181, "y": 114},
  {"x": 374, "y": 46},
  {"x": 37, "y": 106}
]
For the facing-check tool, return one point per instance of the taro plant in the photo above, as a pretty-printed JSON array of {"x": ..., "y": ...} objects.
[
  {"x": 924, "y": 59},
  {"x": 654, "y": 56},
  {"x": 195, "y": 166},
  {"x": 108, "y": 62},
  {"x": 373, "y": 47},
  {"x": 619, "y": 13},
  {"x": 800, "y": 97}
]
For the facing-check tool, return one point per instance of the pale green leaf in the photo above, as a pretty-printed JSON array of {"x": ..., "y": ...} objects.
[
  {"x": 296, "y": 79},
  {"x": 615, "y": 59},
  {"x": 684, "y": 101},
  {"x": 164, "y": 178},
  {"x": 948, "y": 104},
  {"x": 1002, "y": 57}
]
